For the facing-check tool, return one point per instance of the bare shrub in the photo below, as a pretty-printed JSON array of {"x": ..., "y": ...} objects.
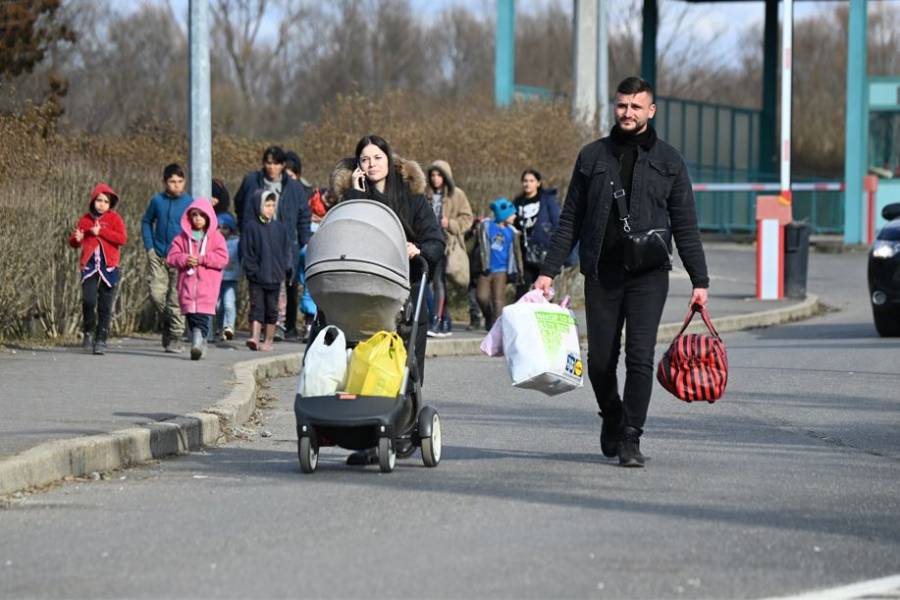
[{"x": 48, "y": 178}]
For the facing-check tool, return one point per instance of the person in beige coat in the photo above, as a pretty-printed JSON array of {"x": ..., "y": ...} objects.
[{"x": 454, "y": 214}]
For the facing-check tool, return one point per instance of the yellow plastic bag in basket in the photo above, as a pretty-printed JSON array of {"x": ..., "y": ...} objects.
[{"x": 376, "y": 366}]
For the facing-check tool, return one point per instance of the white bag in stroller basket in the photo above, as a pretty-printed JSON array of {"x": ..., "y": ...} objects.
[
  {"x": 540, "y": 342},
  {"x": 325, "y": 364}
]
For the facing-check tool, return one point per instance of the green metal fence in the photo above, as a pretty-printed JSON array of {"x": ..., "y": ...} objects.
[{"x": 720, "y": 144}]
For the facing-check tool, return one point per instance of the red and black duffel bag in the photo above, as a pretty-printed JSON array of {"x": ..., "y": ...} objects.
[{"x": 695, "y": 367}]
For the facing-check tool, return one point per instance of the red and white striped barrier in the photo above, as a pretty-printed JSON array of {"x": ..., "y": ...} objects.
[{"x": 822, "y": 186}]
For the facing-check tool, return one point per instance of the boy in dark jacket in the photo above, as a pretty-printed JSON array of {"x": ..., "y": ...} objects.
[
  {"x": 160, "y": 225},
  {"x": 293, "y": 209},
  {"x": 267, "y": 259}
]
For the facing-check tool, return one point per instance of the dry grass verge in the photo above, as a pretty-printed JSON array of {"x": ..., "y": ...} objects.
[{"x": 47, "y": 178}]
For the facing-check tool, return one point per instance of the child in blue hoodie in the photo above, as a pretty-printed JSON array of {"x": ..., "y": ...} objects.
[
  {"x": 226, "y": 308},
  {"x": 267, "y": 259},
  {"x": 499, "y": 259}
]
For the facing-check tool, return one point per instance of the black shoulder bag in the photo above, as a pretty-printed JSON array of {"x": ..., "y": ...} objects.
[{"x": 644, "y": 250}]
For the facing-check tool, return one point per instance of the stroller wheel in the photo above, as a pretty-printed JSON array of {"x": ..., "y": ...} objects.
[
  {"x": 309, "y": 455},
  {"x": 387, "y": 458},
  {"x": 431, "y": 446}
]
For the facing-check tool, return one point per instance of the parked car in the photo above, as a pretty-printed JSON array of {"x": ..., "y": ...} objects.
[{"x": 884, "y": 274}]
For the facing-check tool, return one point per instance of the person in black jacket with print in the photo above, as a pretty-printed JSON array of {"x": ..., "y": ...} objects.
[{"x": 652, "y": 178}]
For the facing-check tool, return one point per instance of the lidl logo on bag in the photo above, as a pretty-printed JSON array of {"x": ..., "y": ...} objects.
[{"x": 573, "y": 365}]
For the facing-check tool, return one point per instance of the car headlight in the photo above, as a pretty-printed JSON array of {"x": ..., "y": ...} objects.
[{"x": 885, "y": 249}]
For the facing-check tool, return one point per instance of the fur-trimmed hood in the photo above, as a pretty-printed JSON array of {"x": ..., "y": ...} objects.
[
  {"x": 443, "y": 167},
  {"x": 409, "y": 170}
]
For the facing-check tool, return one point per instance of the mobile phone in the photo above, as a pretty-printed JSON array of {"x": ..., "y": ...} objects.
[{"x": 362, "y": 178}]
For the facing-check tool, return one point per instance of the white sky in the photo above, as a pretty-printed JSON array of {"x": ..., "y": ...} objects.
[{"x": 709, "y": 20}]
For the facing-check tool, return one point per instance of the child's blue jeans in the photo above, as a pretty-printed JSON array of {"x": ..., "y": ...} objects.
[{"x": 226, "y": 307}]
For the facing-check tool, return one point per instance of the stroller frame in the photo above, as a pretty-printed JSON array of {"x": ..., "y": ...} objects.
[{"x": 393, "y": 425}]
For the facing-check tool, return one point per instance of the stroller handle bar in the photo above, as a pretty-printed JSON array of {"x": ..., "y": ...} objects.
[{"x": 423, "y": 265}]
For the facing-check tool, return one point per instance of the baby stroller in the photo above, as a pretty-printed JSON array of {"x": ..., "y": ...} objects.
[{"x": 357, "y": 271}]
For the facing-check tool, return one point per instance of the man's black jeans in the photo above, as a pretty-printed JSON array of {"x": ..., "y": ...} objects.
[{"x": 615, "y": 298}]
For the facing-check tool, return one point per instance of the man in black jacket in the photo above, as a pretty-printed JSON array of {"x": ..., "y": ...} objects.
[
  {"x": 293, "y": 211},
  {"x": 648, "y": 179}
]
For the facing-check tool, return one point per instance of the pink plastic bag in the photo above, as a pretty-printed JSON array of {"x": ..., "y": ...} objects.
[{"x": 492, "y": 344}]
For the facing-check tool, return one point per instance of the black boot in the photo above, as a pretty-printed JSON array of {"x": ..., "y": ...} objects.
[
  {"x": 197, "y": 342},
  {"x": 630, "y": 448},
  {"x": 87, "y": 342},
  {"x": 610, "y": 435},
  {"x": 100, "y": 342}
]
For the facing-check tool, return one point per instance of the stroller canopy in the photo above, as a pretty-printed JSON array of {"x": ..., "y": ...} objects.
[{"x": 357, "y": 268}]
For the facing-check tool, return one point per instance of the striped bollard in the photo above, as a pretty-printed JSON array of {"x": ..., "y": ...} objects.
[{"x": 772, "y": 214}]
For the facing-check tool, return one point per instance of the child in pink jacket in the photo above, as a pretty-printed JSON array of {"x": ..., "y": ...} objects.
[{"x": 200, "y": 254}]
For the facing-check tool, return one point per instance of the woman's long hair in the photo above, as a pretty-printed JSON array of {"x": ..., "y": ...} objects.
[{"x": 396, "y": 193}]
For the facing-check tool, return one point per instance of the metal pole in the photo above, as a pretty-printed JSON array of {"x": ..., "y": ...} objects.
[
  {"x": 650, "y": 14},
  {"x": 505, "y": 52},
  {"x": 603, "y": 67},
  {"x": 856, "y": 124},
  {"x": 787, "y": 31},
  {"x": 767, "y": 133},
  {"x": 585, "y": 101},
  {"x": 200, "y": 115}
]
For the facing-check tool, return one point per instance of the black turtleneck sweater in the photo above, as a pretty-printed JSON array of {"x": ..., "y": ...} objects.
[{"x": 625, "y": 149}]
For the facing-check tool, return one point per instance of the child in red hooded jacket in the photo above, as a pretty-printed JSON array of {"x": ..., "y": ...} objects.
[
  {"x": 99, "y": 233},
  {"x": 200, "y": 254}
]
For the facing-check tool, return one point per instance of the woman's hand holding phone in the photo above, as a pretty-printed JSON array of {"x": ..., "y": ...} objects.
[{"x": 359, "y": 179}]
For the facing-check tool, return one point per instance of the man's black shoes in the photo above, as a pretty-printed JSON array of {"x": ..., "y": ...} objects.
[
  {"x": 630, "y": 449},
  {"x": 610, "y": 436}
]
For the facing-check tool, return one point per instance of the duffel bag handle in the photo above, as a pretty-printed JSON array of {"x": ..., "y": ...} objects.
[{"x": 704, "y": 314}]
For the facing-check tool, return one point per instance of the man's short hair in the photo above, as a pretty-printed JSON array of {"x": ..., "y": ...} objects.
[
  {"x": 275, "y": 153},
  {"x": 172, "y": 169},
  {"x": 634, "y": 85}
]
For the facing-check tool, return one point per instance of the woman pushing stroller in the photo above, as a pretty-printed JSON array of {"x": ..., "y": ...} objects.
[{"x": 375, "y": 173}]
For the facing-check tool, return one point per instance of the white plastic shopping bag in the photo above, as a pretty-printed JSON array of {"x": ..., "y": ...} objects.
[
  {"x": 492, "y": 344},
  {"x": 325, "y": 365},
  {"x": 541, "y": 345}
]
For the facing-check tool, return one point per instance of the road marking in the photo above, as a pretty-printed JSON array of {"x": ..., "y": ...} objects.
[{"x": 856, "y": 590}]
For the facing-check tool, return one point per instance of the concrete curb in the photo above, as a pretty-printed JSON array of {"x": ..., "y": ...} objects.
[{"x": 76, "y": 457}]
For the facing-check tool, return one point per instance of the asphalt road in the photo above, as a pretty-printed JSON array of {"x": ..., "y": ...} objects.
[{"x": 788, "y": 484}]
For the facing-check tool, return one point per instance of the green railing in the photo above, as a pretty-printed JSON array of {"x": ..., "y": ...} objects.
[{"x": 721, "y": 145}]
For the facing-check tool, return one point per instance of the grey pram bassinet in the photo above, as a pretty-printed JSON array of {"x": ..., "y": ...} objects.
[{"x": 357, "y": 269}]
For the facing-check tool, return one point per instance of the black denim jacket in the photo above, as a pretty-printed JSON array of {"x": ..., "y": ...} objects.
[{"x": 661, "y": 196}]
